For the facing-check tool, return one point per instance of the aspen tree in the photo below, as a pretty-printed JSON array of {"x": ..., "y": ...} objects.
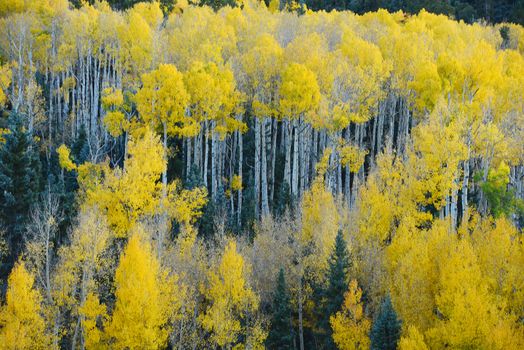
[
  {"x": 21, "y": 323},
  {"x": 231, "y": 300},
  {"x": 162, "y": 103},
  {"x": 145, "y": 299},
  {"x": 350, "y": 325}
]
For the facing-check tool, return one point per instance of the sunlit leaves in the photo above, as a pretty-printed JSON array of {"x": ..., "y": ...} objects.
[
  {"x": 162, "y": 102},
  {"x": 21, "y": 323},
  {"x": 350, "y": 325}
]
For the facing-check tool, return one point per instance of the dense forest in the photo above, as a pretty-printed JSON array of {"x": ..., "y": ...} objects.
[
  {"x": 261, "y": 176},
  {"x": 468, "y": 10}
]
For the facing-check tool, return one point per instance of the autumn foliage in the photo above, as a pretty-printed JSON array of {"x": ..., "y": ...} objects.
[{"x": 257, "y": 177}]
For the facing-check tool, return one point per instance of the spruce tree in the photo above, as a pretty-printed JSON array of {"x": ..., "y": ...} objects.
[
  {"x": 385, "y": 332},
  {"x": 281, "y": 334},
  {"x": 19, "y": 182},
  {"x": 332, "y": 296}
]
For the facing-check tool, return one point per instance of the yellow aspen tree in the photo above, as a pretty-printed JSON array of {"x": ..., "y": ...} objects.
[
  {"x": 299, "y": 91},
  {"x": 320, "y": 222},
  {"x": 412, "y": 262},
  {"x": 315, "y": 240},
  {"x": 213, "y": 96},
  {"x": 500, "y": 255},
  {"x": 21, "y": 323},
  {"x": 365, "y": 74},
  {"x": 352, "y": 156},
  {"x": 128, "y": 195},
  {"x": 262, "y": 64},
  {"x": 471, "y": 315},
  {"x": 115, "y": 120},
  {"x": 74, "y": 285},
  {"x": 413, "y": 340},
  {"x": 231, "y": 300},
  {"x": 350, "y": 325},
  {"x": 136, "y": 40},
  {"x": 146, "y": 299},
  {"x": 162, "y": 103},
  {"x": 92, "y": 312},
  {"x": 299, "y": 102},
  {"x": 5, "y": 81},
  {"x": 435, "y": 169}
]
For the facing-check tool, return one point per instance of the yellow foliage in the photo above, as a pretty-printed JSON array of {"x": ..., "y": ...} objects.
[
  {"x": 350, "y": 325},
  {"x": 236, "y": 183},
  {"x": 64, "y": 158},
  {"x": 214, "y": 97},
  {"x": 5, "y": 81},
  {"x": 352, "y": 157},
  {"x": 435, "y": 168},
  {"x": 91, "y": 312},
  {"x": 2, "y": 133},
  {"x": 144, "y": 300},
  {"x": 262, "y": 66},
  {"x": 116, "y": 123},
  {"x": 500, "y": 255},
  {"x": 471, "y": 317},
  {"x": 8, "y": 7},
  {"x": 413, "y": 340},
  {"x": 427, "y": 86},
  {"x": 185, "y": 206},
  {"x": 78, "y": 264},
  {"x": 21, "y": 323},
  {"x": 162, "y": 102},
  {"x": 320, "y": 224},
  {"x": 231, "y": 299},
  {"x": 125, "y": 196},
  {"x": 299, "y": 91},
  {"x": 112, "y": 98}
]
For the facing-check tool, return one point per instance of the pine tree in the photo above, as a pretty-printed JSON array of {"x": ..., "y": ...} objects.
[
  {"x": 281, "y": 332},
  {"x": 332, "y": 297},
  {"x": 385, "y": 332},
  {"x": 19, "y": 181}
]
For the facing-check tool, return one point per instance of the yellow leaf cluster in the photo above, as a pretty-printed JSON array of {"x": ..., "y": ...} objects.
[
  {"x": 299, "y": 91},
  {"x": 230, "y": 297},
  {"x": 142, "y": 307},
  {"x": 21, "y": 323},
  {"x": 350, "y": 326},
  {"x": 162, "y": 102}
]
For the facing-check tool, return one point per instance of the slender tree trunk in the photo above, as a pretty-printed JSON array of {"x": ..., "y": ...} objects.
[
  {"x": 214, "y": 161},
  {"x": 257, "y": 166},
  {"x": 206, "y": 154},
  {"x": 300, "y": 317},
  {"x": 264, "y": 184},
  {"x": 273, "y": 158},
  {"x": 287, "y": 134},
  {"x": 294, "y": 174},
  {"x": 164, "y": 173},
  {"x": 240, "y": 164}
]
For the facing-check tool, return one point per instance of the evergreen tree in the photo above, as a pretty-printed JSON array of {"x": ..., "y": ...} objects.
[
  {"x": 385, "y": 332},
  {"x": 19, "y": 181},
  {"x": 281, "y": 333},
  {"x": 332, "y": 296}
]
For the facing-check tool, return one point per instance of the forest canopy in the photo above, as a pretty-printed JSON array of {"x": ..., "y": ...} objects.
[{"x": 252, "y": 175}]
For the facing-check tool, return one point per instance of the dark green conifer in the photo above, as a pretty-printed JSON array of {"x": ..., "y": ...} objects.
[
  {"x": 19, "y": 182},
  {"x": 385, "y": 332},
  {"x": 332, "y": 296},
  {"x": 281, "y": 332}
]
